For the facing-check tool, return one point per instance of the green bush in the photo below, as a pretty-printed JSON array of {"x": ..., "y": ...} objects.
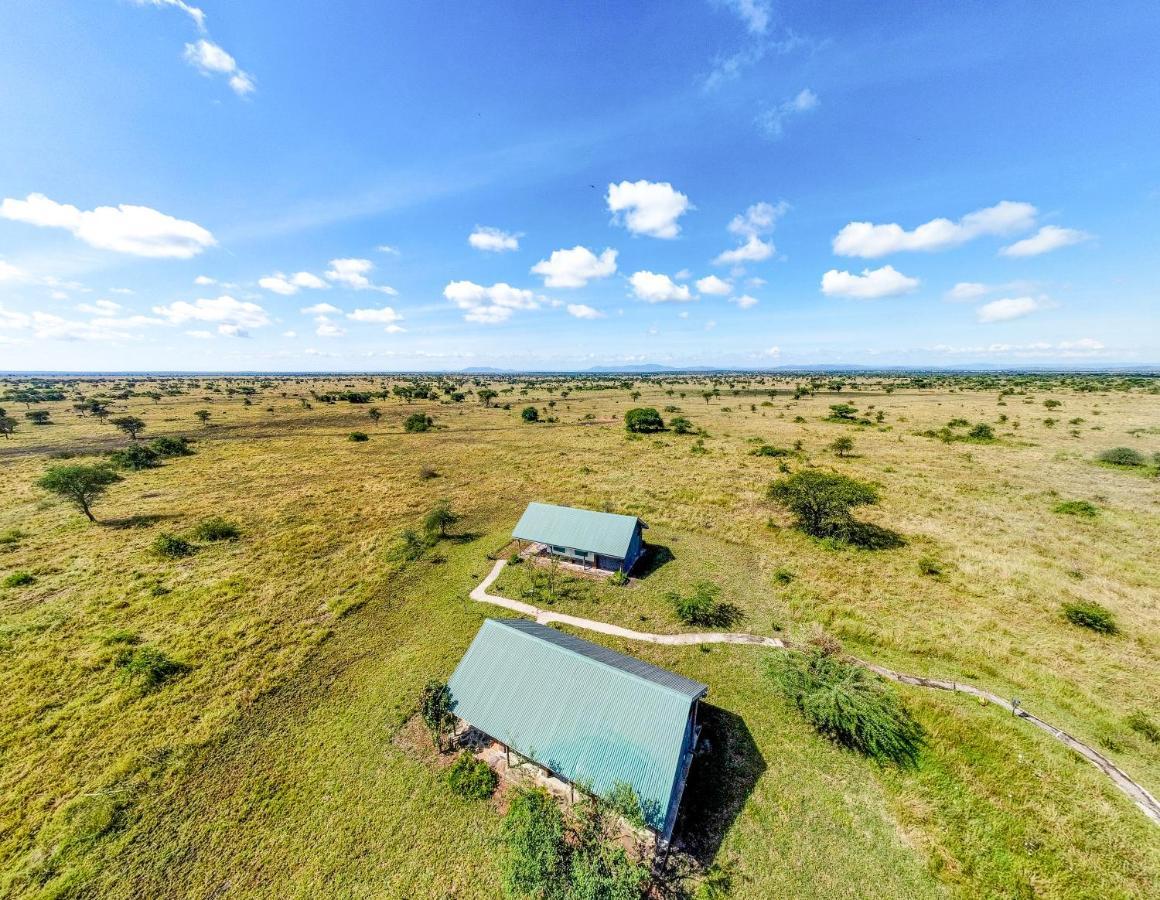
[
  {"x": 619, "y": 578},
  {"x": 216, "y": 528},
  {"x": 679, "y": 424},
  {"x": 472, "y": 778},
  {"x": 1081, "y": 508},
  {"x": 358, "y": 437},
  {"x": 169, "y": 446},
  {"x": 417, "y": 422},
  {"x": 623, "y": 800},
  {"x": 643, "y": 420},
  {"x": 928, "y": 565},
  {"x": 135, "y": 457},
  {"x": 1089, "y": 614},
  {"x": 1121, "y": 456},
  {"x": 536, "y": 861},
  {"x": 148, "y": 668},
  {"x": 530, "y": 414},
  {"x": 1139, "y": 722},
  {"x": 701, "y": 607},
  {"x": 172, "y": 547},
  {"x": 18, "y": 579},
  {"x": 11, "y": 537},
  {"x": 849, "y": 705},
  {"x": 768, "y": 450},
  {"x": 982, "y": 432},
  {"x": 821, "y": 502}
]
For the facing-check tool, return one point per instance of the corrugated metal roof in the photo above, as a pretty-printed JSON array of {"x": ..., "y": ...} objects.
[
  {"x": 608, "y": 534},
  {"x": 589, "y": 714}
]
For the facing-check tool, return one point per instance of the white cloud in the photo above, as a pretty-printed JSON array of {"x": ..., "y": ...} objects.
[
  {"x": 575, "y": 268},
  {"x": 320, "y": 309},
  {"x": 1081, "y": 344},
  {"x": 200, "y": 334},
  {"x": 388, "y": 249},
  {"x": 1048, "y": 238},
  {"x": 648, "y": 207},
  {"x": 192, "y": 11},
  {"x": 753, "y": 250},
  {"x": 488, "y": 305},
  {"x": 773, "y": 351},
  {"x": 583, "y": 311},
  {"x": 754, "y": 13},
  {"x": 100, "y": 308},
  {"x": 228, "y": 329},
  {"x": 772, "y": 121},
  {"x": 711, "y": 284},
  {"x": 204, "y": 281},
  {"x": 352, "y": 273},
  {"x": 210, "y": 59},
  {"x": 224, "y": 309},
  {"x": 1008, "y": 308},
  {"x": 291, "y": 284},
  {"x": 652, "y": 287},
  {"x": 871, "y": 284},
  {"x": 9, "y": 272},
  {"x": 968, "y": 290},
  {"x": 870, "y": 241},
  {"x": 49, "y": 326},
  {"x": 1083, "y": 347},
  {"x": 327, "y": 328},
  {"x": 744, "y": 301},
  {"x": 384, "y": 316},
  {"x": 289, "y": 334},
  {"x": 136, "y": 230},
  {"x": 493, "y": 239}
]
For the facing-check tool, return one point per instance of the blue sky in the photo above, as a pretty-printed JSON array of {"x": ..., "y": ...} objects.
[{"x": 375, "y": 186}]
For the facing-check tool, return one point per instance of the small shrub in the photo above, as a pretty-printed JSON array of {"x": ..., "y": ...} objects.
[
  {"x": 11, "y": 537},
  {"x": 768, "y": 450},
  {"x": 928, "y": 565},
  {"x": 358, "y": 437},
  {"x": 1081, "y": 508},
  {"x": 783, "y": 576},
  {"x": 623, "y": 800},
  {"x": 1139, "y": 722},
  {"x": 216, "y": 528},
  {"x": 850, "y": 706},
  {"x": 530, "y": 414},
  {"x": 172, "y": 547},
  {"x": 700, "y": 607},
  {"x": 1121, "y": 456},
  {"x": 982, "y": 432},
  {"x": 148, "y": 668},
  {"x": 426, "y": 473},
  {"x": 411, "y": 546},
  {"x": 135, "y": 457},
  {"x": 679, "y": 424},
  {"x": 170, "y": 446},
  {"x": 618, "y": 578},
  {"x": 18, "y": 579},
  {"x": 418, "y": 422},
  {"x": 1089, "y": 614},
  {"x": 471, "y": 778}
]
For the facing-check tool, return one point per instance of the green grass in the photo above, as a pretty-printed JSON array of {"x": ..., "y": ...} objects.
[{"x": 306, "y": 643}]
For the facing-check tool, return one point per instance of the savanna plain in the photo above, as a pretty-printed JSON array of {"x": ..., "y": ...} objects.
[{"x": 211, "y": 690}]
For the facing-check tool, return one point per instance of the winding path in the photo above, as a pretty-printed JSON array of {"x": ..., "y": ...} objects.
[{"x": 1135, "y": 792}]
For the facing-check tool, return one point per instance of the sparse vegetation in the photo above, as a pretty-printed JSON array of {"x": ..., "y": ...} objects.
[
  {"x": 471, "y": 778},
  {"x": 1081, "y": 508},
  {"x": 1089, "y": 614},
  {"x": 171, "y": 546}
]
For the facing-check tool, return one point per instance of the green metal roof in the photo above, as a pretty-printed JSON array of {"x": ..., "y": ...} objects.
[
  {"x": 581, "y": 529},
  {"x": 587, "y": 713}
]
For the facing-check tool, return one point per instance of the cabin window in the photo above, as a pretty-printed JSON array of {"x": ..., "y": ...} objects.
[{"x": 559, "y": 550}]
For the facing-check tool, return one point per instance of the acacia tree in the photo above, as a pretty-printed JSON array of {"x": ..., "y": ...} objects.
[
  {"x": 821, "y": 501},
  {"x": 486, "y": 396},
  {"x": 643, "y": 420},
  {"x": 80, "y": 485},
  {"x": 38, "y": 416},
  {"x": 843, "y": 446},
  {"x": 202, "y": 416},
  {"x": 440, "y": 518},
  {"x": 7, "y": 426},
  {"x": 131, "y": 425}
]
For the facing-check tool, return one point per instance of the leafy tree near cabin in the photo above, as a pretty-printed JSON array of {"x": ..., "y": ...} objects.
[
  {"x": 821, "y": 501},
  {"x": 440, "y": 518},
  {"x": 131, "y": 425},
  {"x": 643, "y": 420},
  {"x": 78, "y": 484},
  {"x": 437, "y": 710}
]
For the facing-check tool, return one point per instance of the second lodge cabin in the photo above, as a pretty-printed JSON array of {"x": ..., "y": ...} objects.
[{"x": 597, "y": 540}]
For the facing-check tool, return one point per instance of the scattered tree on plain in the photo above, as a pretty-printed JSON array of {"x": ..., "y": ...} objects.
[
  {"x": 821, "y": 501},
  {"x": 440, "y": 518},
  {"x": 131, "y": 425},
  {"x": 202, "y": 415},
  {"x": 643, "y": 420},
  {"x": 80, "y": 485}
]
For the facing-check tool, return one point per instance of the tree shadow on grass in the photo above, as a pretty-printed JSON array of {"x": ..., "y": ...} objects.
[
  {"x": 655, "y": 556},
  {"x": 866, "y": 536},
  {"x": 140, "y": 521},
  {"x": 463, "y": 537},
  {"x": 724, "y": 773}
]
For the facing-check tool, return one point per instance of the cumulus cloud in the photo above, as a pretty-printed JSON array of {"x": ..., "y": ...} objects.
[
  {"x": 870, "y": 241},
  {"x": 583, "y": 311},
  {"x": 9, "y": 272},
  {"x": 968, "y": 290},
  {"x": 192, "y": 11},
  {"x": 1007, "y": 308},
  {"x": 647, "y": 207},
  {"x": 753, "y": 250},
  {"x": 772, "y": 121},
  {"x": 100, "y": 308},
  {"x": 135, "y": 230},
  {"x": 320, "y": 309},
  {"x": 352, "y": 273},
  {"x": 388, "y": 249},
  {"x": 1083, "y": 347},
  {"x": 870, "y": 285},
  {"x": 758, "y": 220},
  {"x": 327, "y": 329},
  {"x": 493, "y": 240},
  {"x": 224, "y": 310},
  {"x": 488, "y": 305},
  {"x": 204, "y": 281},
  {"x": 744, "y": 301},
  {"x": 385, "y": 315},
  {"x": 102, "y": 327},
  {"x": 575, "y": 268},
  {"x": 1048, "y": 238},
  {"x": 713, "y": 285},
  {"x": 210, "y": 59},
  {"x": 652, "y": 287},
  {"x": 291, "y": 284}
]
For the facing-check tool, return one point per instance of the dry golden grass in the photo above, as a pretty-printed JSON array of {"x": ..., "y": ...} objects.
[{"x": 307, "y": 641}]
